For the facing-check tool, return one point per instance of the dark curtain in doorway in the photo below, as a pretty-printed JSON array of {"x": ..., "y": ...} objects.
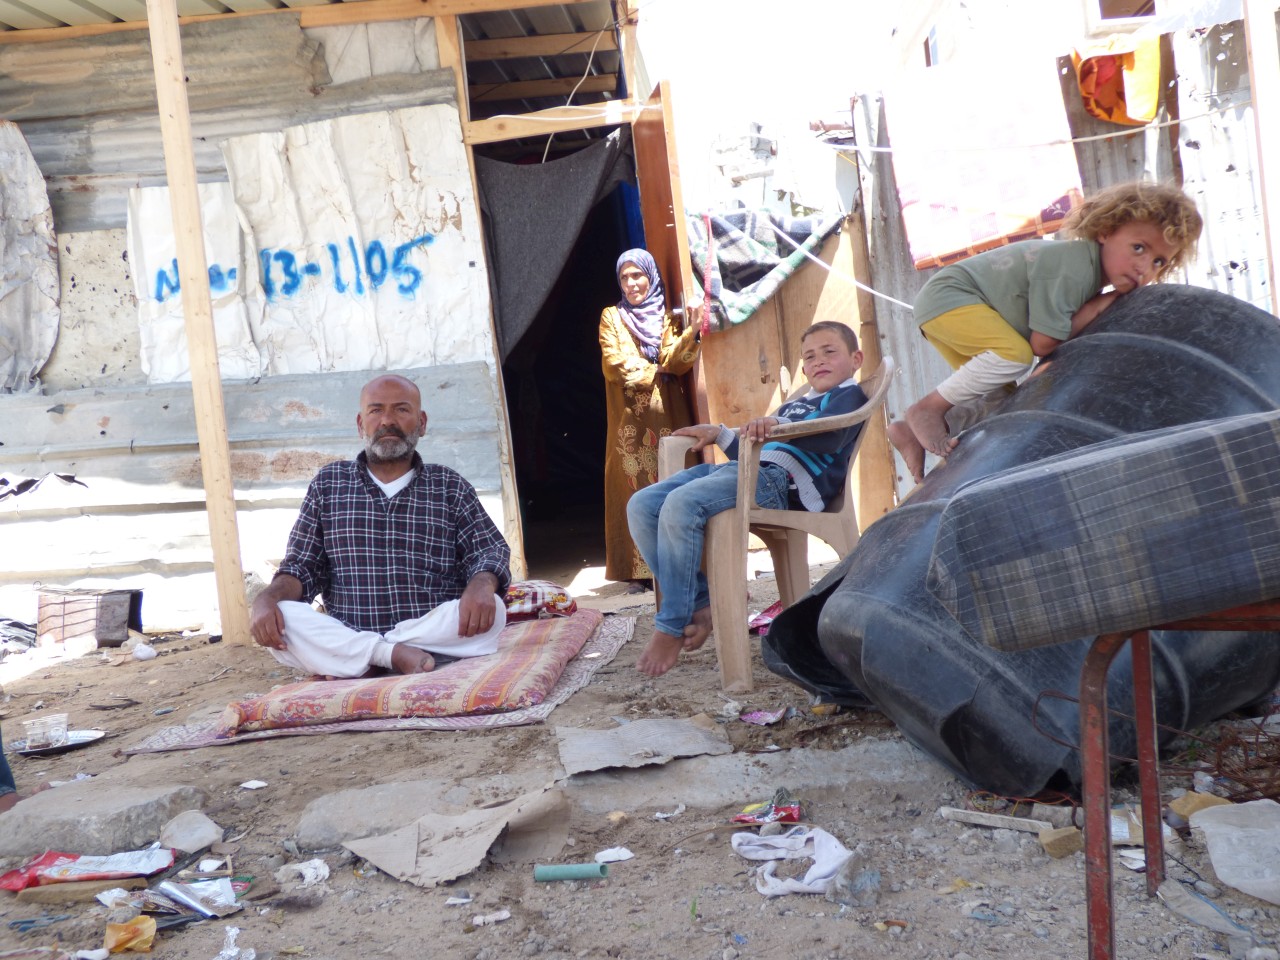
[{"x": 534, "y": 214}]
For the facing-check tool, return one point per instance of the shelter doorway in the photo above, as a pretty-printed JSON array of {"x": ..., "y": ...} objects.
[{"x": 555, "y": 396}]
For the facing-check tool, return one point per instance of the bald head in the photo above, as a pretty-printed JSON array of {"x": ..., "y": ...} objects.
[
  {"x": 392, "y": 380},
  {"x": 391, "y": 419}
]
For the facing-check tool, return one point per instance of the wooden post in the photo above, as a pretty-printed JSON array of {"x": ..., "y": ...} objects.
[
  {"x": 1264, "y": 84},
  {"x": 197, "y": 309}
]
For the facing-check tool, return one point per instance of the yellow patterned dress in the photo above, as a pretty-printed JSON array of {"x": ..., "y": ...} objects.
[{"x": 643, "y": 405}]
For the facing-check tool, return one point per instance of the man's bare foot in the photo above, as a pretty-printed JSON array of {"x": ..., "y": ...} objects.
[
  {"x": 407, "y": 659},
  {"x": 660, "y": 654},
  {"x": 696, "y": 633},
  {"x": 905, "y": 442}
]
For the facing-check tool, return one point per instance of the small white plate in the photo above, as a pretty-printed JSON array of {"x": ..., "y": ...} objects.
[{"x": 75, "y": 739}]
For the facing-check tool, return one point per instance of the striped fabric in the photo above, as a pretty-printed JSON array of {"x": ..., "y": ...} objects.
[
  {"x": 531, "y": 656},
  {"x": 1122, "y": 535}
]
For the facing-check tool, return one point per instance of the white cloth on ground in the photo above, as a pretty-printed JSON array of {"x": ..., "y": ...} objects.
[
  {"x": 319, "y": 644},
  {"x": 980, "y": 375},
  {"x": 828, "y": 854}
]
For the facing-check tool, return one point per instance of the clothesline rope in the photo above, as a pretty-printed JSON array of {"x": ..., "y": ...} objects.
[{"x": 839, "y": 273}]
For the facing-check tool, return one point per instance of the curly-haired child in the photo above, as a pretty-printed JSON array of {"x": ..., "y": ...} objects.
[{"x": 991, "y": 315}]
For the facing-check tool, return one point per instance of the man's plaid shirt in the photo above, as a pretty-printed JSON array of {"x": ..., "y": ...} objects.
[{"x": 379, "y": 561}]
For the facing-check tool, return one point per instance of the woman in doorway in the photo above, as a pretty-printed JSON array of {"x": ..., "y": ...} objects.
[{"x": 644, "y": 352}]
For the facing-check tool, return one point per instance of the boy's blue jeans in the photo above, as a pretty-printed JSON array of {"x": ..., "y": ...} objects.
[{"x": 668, "y": 523}]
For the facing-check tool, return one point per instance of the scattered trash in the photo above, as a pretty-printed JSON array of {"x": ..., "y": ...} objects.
[
  {"x": 731, "y": 709},
  {"x": 545, "y": 872},
  {"x": 614, "y": 855},
  {"x": 37, "y": 923},
  {"x": 45, "y": 732},
  {"x": 783, "y": 808},
  {"x": 1133, "y": 858},
  {"x": 828, "y": 855},
  {"x": 1191, "y": 906},
  {"x": 310, "y": 873},
  {"x": 617, "y": 817},
  {"x": 117, "y": 703},
  {"x": 884, "y": 926},
  {"x": 163, "y": 711},
  {"x": 55, "y": 867},
  {"x": 484, "y": 920},
  {"x": 461, "y": 898},
  {"x": 144, "y": 651},
  {"x": 989, "y": 917},
  {"x": 190, "y": 831},
  {"x": 229, "y": 949},
  {"x": 81, "y": 775},
  {"x": 1244, "y": 845},
  {"x": 138, "y": 934},
  {"x": 763, "y": 718},
  {"x": 759, "y": 624},
  {"x": 824, "y": 709},
  {"x": 670, "y": 815},
  {"x": 253, "y": 784},
  {"x": 213, "y": 898},
  {"x": 100, "y": 954}
]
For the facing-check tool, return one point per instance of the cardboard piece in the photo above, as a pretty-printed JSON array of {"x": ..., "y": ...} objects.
[
  {"x": 438, "y": 848},
  {"x": 640, "y": 743}
]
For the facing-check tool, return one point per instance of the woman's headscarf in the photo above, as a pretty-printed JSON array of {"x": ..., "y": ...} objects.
[{"x": 647, "y": 319}]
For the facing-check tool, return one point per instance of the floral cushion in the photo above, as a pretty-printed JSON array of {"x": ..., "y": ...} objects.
[{"x": 531, "y": 656}]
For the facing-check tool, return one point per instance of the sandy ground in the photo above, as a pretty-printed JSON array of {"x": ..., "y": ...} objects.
[{"x": 947, "y": 890}]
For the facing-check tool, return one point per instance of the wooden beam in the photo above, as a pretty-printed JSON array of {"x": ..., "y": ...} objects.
[
  {"x": 546, "y": 45},
  {"x": 323, "y": 15},
  {"x": 532, "y": 89},
  {"x": 627, "y": 20},
  {"x": 197, "y": 310},
  {"x": 610, "y": 113}
]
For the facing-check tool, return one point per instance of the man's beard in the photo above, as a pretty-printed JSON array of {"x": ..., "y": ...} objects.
[{"x": 389, "y": 445}]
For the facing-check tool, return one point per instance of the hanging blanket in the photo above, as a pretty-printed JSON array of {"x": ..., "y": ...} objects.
[
  {"x": 978, "y": 164},
  {"x": 751, "y": 260}
]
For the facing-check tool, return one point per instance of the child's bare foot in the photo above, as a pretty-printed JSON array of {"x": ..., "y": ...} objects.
[
  {"x": 660, "y": 654},
  {"x": 905, "y": 442},
  {"x": 930, "y": 427},
  {"x": 8, "y": 802},
  {"x": 407, "y": 659},
  {"x": 696, "y": 633}
]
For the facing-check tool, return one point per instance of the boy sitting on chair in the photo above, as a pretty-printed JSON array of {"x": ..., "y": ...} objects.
[{"x": 668, "y": 519}]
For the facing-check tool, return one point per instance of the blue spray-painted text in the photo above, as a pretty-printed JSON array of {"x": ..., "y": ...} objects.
[{"x": 349, "y": 269}]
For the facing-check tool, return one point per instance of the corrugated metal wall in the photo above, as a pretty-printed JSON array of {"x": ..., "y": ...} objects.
[
  {"x": 87, "y": 107},
  {"x": 1211, "y": 145}
]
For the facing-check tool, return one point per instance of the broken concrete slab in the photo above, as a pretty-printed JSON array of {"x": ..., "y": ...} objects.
[
  {"x": 711, "y": 782},
  {"x": 93, "y": 817}
]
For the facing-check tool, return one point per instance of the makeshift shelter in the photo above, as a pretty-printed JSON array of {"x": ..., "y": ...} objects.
[{"x": 337, "y": 210}]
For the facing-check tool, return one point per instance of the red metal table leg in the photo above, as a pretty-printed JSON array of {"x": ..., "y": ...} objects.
[
  {"x": 1144, "y": 711},
  {"x": 1095, "y": 765}
]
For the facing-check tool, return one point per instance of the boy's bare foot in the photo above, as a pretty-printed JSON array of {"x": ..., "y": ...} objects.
[
  {"x": 696, "y": 633},
  {"x": 407, "y": 659},
  {"x": 8, "y": 802},
  {"x": 905, "y": 442},
  {"x": 660, "y": 654}
]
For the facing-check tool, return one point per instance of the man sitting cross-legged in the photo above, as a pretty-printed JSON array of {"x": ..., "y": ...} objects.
[
  {"x": 411, "y": 568},
  {"x": 668, "y": 519}
]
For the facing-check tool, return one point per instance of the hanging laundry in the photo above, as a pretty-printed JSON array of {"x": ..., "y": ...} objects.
[{"x": 1119, "y": 78}]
